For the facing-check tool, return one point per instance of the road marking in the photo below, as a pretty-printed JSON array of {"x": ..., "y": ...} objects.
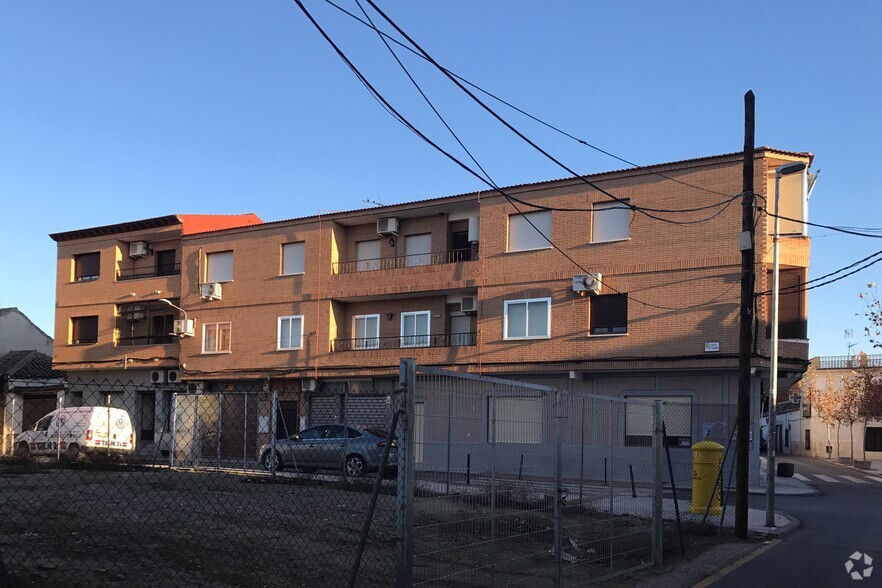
[
  {"x": 800, "y": 477},
  {"x": 853, "y": 479},
  {"x": 736, "y": 564},
  {"x": 824, "y": 478},
  {"x": 874, "y": 478}
]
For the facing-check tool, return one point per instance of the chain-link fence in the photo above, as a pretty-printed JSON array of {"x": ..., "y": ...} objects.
[
  {"x": 521, "y": 484},
  {"x": 448, "y": 479},
  {"x": 113, "y": 483}
]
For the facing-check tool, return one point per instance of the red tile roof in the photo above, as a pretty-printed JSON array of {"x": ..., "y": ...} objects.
[{"x": 203, "y": 223}]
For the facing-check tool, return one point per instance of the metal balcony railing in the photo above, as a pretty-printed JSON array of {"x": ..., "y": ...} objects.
[
  {"x": 145, "y": 340},
  {"x": 171, "y": 269},
  {"x": 406, "y": 342},
  {"x": 842, "y": 362},
  {"x": 403, "y": 261}
]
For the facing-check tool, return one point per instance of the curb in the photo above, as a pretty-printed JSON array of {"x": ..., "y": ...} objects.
[
  {"x": 780, "y": 532},
  {"x": 812, "y": 491}
]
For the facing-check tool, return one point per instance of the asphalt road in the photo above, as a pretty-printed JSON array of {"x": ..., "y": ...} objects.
[{"x": 846, "y": 518}]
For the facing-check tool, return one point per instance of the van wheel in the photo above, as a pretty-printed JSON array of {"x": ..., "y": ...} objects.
[
  {"x": 23, "y": 450},
  {"x": 73, "y": 452}
]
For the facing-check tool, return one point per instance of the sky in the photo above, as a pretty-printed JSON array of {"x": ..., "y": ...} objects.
[{"x": 116, "y": 111}]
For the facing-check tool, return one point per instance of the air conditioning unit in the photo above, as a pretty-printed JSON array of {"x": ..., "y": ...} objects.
[
  {"x": 138, "y": 249},
  {"x": 387, "y": 226},
  {"x": 469, "y": 304},
  {"x": 157, "y": 377},
  {"x": 587, "y": 283},
  {"x": 173, "y": 376},
  {"x": 184, "y": 328},
  {"x": 309, "y": 385},
  {"x": 212, "y": 291}
]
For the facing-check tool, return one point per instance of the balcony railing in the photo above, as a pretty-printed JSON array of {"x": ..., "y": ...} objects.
[
  {"x": 145, "y": 340},
  {"x": 841, "y": 362},
  {"x": 402, "y": 261},
  {"x": 171, "y": 269},
  {"x": 407, "y": 342}
]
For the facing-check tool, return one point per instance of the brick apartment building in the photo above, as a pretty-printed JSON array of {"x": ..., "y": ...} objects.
[{"x": 464, "y": 282}]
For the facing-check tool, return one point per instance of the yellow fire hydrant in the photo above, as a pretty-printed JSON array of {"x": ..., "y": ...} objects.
[{"x": 707, "y": 456}]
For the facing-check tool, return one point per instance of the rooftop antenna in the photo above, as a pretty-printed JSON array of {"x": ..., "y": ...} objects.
[
  {"x": 848, "y": 335},
  {"x": 374, "y": 202}
]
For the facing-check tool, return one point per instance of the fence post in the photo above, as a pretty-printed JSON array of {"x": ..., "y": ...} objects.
[
  {"x": 407, "y": 381},
  {"x": 657, "y": 510},
  {"x": 493, "y": 475},
  {"x": 272, "y": 441},
  {"x": 559, "y": 490},
  {"x": 172, "y": 418},
  {"x": 218, "y": 430}
]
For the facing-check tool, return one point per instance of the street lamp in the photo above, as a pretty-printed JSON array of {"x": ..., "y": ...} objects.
[
  {"x": 784, "y": 170},
  {"x": 187, "y": 330}
]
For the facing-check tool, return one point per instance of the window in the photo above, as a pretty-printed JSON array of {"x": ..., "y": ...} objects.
[
  {"x": 418, "y": 249},
  {"x": 368, "y": 255},
  {"x": 165, "y": 263},
  {"x": 148, "y": 416},
  {"x": 525, "y": 231},
  {"x": 366, "y": 329},
  {"x": 518, "y": 420},
  {"x": 527, "y": 319},
  {"x": 216, "y": 338},
  {"x": 219, "y": 267},
  {"x": 609, "y": 314},
  {"x": 290, "y": 332},
  {"x": 415, "y": 328},
  {"x": 87, "y": 267},
  {"x": 293, "y": 255},
  {"x": 792, "y": 316},
  {"x": 84, "y": 330},
  {"x": 335, "y": 432},
  {"x": 610, "y": 222},
  {"x": 677, "y": 415},
  {"x": 872, "y": 439},
  {"x": 312, "y": 433}
]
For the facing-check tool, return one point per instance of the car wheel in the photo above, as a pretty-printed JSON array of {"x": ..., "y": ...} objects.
[
  {"x": 266, "y": 460},
  {"x": 23, "y": 450},
  {"x": 73, "y": 452},
  {"x": 355, "y": 466}
]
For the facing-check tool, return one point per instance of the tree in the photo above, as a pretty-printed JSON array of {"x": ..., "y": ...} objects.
[
  {"x": 873, "y": 314},
  {"x": 823, "y": 400},
  {"x": 850, "y": 399}
]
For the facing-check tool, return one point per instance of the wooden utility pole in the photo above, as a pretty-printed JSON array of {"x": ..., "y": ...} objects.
[{"x": 745, "y": 339}]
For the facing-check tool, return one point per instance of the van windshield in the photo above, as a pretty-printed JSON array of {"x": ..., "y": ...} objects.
[{"x": 43, "y": 423}]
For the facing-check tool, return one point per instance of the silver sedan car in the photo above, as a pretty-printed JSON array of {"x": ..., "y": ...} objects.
[{"x": 330, "y": 447}]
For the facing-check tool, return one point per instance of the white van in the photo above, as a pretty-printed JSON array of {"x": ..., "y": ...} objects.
[{"x": 68, "y": 432}]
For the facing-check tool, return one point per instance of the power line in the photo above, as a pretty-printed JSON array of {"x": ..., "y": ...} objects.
[
  {"x": 643, "y": 210},
  {"x": 829, "y": 227},
  {"x": 793, "y": 289},
  {"x": 520, "y": 110},
  {"x": 510, "y": 199}
]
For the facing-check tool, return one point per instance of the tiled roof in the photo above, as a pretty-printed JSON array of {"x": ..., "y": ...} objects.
[
  {"x": 190, "y": 223},
  {"x": 29, "y": 365}
]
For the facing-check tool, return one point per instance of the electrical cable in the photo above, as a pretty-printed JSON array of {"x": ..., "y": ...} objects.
[
  {"x": 643, "y": 210},
  {"x": 829, "y": 227},
  {"x": 521, "y": 111}
]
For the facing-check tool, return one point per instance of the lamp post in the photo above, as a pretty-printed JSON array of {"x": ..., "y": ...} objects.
[
  {"x": 186, "y": 322},
  {"x": 784, "y": 170}
]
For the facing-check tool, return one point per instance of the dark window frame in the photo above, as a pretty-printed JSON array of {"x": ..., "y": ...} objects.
[
  {"x": 608, "y": 314},
  {"x": 77, "y": 337},
  {"x": 87, "y": 266},
  {"x": 873, "y": 439}
]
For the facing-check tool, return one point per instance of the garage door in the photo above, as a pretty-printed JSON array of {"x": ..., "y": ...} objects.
[
  {"x": 324, "y": 409},
  {"x": 368, "y": 411},
  {"x": 35, "y": 406}
]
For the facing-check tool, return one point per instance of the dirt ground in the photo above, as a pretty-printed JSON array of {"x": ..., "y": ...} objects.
[
  {"x": 123, "y": 525},
  {"x": 135, "y": 526}
]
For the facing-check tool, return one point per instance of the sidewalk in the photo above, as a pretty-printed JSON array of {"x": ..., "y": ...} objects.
[{"x": 783, "y": 486}]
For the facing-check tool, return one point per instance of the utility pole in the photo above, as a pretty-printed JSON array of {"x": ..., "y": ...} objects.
[{"x": 745, "y": 339}]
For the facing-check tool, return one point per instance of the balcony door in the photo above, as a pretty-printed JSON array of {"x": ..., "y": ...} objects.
[
  {"x": 460, "y": 329},
  {"x": 366, "y": 329},
  {"x": 418, "y": 249},
  {"x": 415, "y": 329}
]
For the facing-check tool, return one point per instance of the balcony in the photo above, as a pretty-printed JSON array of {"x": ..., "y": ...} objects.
[
  {"x": 407, "y": 342},
  {"x": 171, "y": 269},
  {"x": 404, "y": 261}
]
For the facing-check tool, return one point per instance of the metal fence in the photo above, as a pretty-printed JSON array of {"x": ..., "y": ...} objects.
[{"x": 446, "y": 479}]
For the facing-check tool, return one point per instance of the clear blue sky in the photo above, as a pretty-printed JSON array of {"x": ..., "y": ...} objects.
[{"x": 114, "y": 111}]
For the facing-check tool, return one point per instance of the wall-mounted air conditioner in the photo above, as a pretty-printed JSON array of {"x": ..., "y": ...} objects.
[
  {"x": 157, "y": 377},
  {"x": 138, "y": 249},
  {"x": 212, "y": 291},
  {"x": 184, "y": 328},
  {"x": 173, "y": 376},
  {"x": 309, "y": 385},
  {"x": 587, "y": 283},
  {"x": 387, "y": 226},
  {"x": 469, "y": 304}
]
